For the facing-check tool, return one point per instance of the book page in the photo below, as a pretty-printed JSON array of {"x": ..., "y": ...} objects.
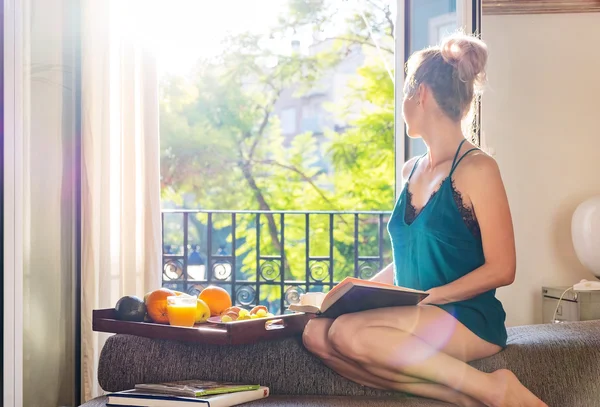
[
  {"x": 309, "y": 302},
  {"x": 313, "y": 299},
  {"x": 310, "y": 309},
  {"x": 194, "y": 388},
  {"x": 367, "y": 283}
]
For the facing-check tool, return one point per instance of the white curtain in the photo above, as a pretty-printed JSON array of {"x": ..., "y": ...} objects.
[
  {"x": 47, "y": 164},
  {"x": 121, "y": 220}
]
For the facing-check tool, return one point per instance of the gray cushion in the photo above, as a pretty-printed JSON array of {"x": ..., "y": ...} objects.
[
  {"x": 558, "y": 362},
  {"x": 320, "y": 401}
]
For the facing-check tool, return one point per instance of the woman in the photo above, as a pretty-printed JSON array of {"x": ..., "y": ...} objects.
[{"x": 451, "y": 233}]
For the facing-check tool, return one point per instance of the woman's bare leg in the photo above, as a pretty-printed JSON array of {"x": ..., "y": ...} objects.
[
  {"x": 316, "y": 340},
  {"x": 414, "y": 340}
]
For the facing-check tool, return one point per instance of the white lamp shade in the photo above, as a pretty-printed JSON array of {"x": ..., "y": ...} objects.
[{"x": 585, "y": 230}]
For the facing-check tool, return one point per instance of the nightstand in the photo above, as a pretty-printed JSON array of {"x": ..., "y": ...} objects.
[{"x": 574, "y": 306}]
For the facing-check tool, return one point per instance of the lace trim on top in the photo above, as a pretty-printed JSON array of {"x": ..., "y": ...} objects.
[{"x": 467, "y": 213}]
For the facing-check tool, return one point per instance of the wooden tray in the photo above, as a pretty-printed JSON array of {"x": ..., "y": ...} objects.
[{"x": 231, "y": 333}]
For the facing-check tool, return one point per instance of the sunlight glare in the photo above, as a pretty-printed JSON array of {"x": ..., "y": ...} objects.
[{"x": 180, "y": 32}]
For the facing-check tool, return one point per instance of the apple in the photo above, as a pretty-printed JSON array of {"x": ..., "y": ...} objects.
[{"x": 202, "y": 312}]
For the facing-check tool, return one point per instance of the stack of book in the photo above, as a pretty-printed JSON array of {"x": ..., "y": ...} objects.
[{"x": 188, "y": 393}]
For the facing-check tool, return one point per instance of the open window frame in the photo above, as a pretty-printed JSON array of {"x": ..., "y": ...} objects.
[{"x": 467, "y": 18}]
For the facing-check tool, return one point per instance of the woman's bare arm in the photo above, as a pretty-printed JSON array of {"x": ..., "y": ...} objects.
[{"x": 487, "y": 194}]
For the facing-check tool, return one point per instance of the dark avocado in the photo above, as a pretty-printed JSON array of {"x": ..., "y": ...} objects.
[{"x": 130, "y": 308}]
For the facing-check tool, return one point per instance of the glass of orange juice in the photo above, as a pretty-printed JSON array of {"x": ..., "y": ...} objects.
[{"x": 181, "y": 310}]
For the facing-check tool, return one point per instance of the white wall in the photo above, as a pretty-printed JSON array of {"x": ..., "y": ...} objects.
[{"x": 541, "y": 117}]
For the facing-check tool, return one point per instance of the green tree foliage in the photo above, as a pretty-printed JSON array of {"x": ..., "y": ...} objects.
[{"x": 222, "y": 148}]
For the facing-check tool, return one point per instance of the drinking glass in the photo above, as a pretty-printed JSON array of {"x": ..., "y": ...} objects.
[{"x": 182, "y": 310}]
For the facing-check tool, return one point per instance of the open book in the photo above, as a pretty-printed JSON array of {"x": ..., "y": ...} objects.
[{"x": 353, "y": 295}]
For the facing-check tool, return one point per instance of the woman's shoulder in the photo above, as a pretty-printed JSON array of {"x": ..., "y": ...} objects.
[
  {"x": 478, "y": 166},
  {"x": 408, "y": 166},
  {"x": 479, "y": 159}
]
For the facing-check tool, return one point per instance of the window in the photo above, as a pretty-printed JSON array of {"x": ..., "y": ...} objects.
[{"x": 282, "y": 139}]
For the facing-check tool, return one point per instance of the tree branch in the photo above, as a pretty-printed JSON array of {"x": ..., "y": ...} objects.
[
  {"x": 263, "y": 125},
  {"x": 264, "y": 206},
  {"x": 259, "y": 134},
  {"x": 388, "y": 17},
  {"x": 262, "y": 202},
  {"x": 304, "y": 177}
]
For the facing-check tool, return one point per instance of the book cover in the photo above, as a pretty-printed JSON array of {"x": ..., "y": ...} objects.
[
  {"x": 354, "y": 295},
  {"x": 194, "y": 388},
  {"x": 137, "y": 398}
]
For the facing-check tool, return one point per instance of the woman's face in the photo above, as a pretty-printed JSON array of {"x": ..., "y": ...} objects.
[{"x": 412, "y": 113}]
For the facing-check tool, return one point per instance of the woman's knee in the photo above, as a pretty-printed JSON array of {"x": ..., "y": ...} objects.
[
  {"x": 314, "y": 337},
  {"x": 341, "y": 336}
]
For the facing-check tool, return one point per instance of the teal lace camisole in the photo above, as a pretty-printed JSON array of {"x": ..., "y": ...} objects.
[{"x": 440, "y": 245}]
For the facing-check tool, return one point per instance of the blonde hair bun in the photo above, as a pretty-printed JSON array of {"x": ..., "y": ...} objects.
[{"x": 468, "y": 54}]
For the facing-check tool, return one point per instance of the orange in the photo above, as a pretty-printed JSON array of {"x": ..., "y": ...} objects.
[
  {"x": 176, "y": 293},
  {"x": 217, "y": 299},
  {"x": 156, "y": 305}
]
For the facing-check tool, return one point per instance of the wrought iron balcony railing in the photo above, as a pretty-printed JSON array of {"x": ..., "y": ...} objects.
[{"x": 271, "y": 257}]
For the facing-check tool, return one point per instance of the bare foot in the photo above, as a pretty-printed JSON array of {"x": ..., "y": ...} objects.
[{"x": 509, "y": 392}]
